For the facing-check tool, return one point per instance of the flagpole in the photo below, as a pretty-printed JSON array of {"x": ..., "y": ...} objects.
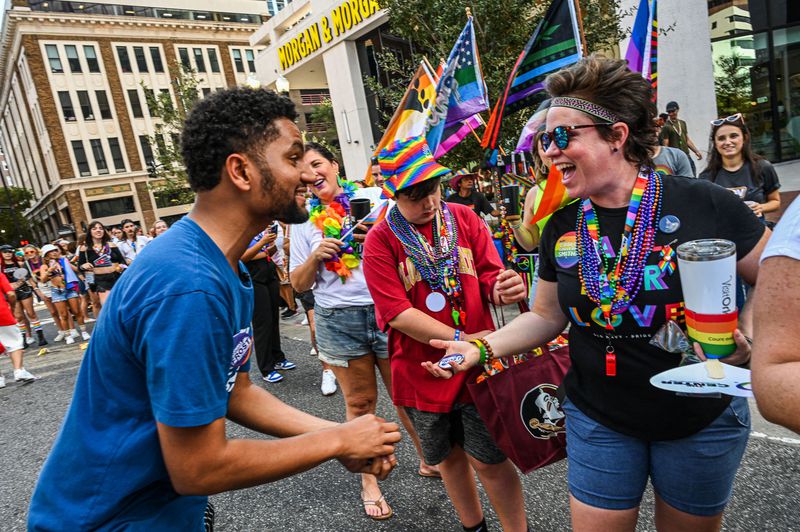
[{"x": 577, "y": 4}]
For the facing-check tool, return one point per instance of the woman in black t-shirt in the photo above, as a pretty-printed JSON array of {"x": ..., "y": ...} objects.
[
  {"x": 621, "y": 430},
  {"x": 101, "y": 262},
  {"x": 733, "y": 165}
]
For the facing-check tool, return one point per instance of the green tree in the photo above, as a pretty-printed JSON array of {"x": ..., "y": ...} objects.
[
  {"x": 323, "y": 114},
  {"x": 11, "y": 232},
  {"x": 502, "y": 28},
  {"x": 170, "y": 184},
  {"x": 732, "y": 85}
]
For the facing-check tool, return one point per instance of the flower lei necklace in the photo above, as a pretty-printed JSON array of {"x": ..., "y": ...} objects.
[
  {"x": 612, "y": 286},
  {"x": 436, "y": 263},
  {"x": 334, "y": 221}
]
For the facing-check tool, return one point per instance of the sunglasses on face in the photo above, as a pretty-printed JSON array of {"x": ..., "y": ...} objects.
[
  {"x": 728, "y": 119},
  {"x": 561, "y": 134}
]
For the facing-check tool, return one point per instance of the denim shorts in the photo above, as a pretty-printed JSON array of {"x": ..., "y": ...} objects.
[
  {"x": 62, "y": 294},
  {"x": 344, "y": 334},
  {"x": 695, "y": 474}
]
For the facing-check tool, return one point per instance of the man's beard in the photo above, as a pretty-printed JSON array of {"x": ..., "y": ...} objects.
[{"x": 284, "y": 206}]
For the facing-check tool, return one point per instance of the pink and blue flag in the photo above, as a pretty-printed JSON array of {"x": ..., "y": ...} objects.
[
  {"x": 460, "y": 93},
  {"x": 642, "y": 53}
]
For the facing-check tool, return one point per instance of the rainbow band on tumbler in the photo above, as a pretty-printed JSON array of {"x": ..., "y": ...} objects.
[
  {"x": 585, "y": 106},
  {"x": 714, "y": 332}
]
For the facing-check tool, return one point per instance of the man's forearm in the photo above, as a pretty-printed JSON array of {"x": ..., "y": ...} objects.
[
  {"x": 525, "y": 332},
  {"x": 255, "y": 408},
  {"x": 303, "y": 277},
  {"x": 420, "y": 326}
]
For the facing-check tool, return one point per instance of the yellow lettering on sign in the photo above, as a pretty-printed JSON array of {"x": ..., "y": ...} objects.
[
  {"x": 347, "y": 17},
  {"x": 338, "y": 26},
  {"x": 354, "y": 11},
  {"x": 313, "y": 34},
  {"x": 282, "y": 57},
  {"x": 326, "y": 30},
  {"x": 374, "y": 7}
]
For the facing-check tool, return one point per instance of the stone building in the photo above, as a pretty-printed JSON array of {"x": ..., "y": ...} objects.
[{"x": 75, "y": 123}]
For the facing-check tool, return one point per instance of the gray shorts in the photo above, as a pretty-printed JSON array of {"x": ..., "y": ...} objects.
[
  {"x": 462, "y": 426},
  {"x": 344, "y": 334}
]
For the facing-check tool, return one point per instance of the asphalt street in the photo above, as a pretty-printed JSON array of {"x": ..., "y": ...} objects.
[{"x": 327, "y": 498}]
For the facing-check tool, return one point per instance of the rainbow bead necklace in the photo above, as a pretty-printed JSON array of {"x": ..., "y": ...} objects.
[
  {"x": 437, "y": 264},
  {"x": 613, "y": 286}
]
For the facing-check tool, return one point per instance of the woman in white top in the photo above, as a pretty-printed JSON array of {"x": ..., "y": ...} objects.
[{"x": 348, "y": 337}]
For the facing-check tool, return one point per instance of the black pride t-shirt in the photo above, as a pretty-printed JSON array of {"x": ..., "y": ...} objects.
[{"x": 627, "y": 402}]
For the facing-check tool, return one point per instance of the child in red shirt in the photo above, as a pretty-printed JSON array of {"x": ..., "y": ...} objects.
[
  {"x": 432, "y": 270},
  {"x": 11, "y": 339}
]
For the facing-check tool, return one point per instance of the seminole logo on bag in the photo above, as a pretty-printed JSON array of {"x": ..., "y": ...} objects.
[{"x": 540, "y": 412}]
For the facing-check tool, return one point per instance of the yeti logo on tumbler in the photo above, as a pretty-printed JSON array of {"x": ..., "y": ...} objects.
[{"x": 540, "y": 412}]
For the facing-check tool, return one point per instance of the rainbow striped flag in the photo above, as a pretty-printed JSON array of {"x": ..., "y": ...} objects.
[
  {"x": 555, "y": 44},
  {"x": 554, "y": 196},
  {"x": 642, "y": 53},
  {"x": 410, "y": 119}
]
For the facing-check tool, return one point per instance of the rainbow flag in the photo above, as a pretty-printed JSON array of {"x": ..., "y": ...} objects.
[
  {"x": 460, "y": 90},
  {"x": 411, "y": 117},
  {"x": 378, "y": 213},
  {"x": 555, "y": 44},
  {"x": 554, "y": 196},
  {"x": 642, "y": 50},
  {"x": 455, "y": 133}
]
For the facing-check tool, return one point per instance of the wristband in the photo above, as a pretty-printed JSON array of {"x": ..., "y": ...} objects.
[
  {"x": 479, "y": 343},
  {"x": 489, "y": 351},
  {"x": 516, "y": 225},
  {"x": 457, "y": 336}
]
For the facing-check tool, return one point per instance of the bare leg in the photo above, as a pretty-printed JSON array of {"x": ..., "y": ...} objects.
[
  {"x": 63, "y": 313},
  {"x": 460, "y": 485},
  {"x": 504, "y": 489},
  {"x": 75, "y": 309},
  {"x": 360, "y": 390},
  {"x": 96, "y": 304},
  {"x": 16, "y": 359},
  {"x": 287, "y": 293},
  {"x": 670, "y": 519},
  {"x": 587, "y": 518}
]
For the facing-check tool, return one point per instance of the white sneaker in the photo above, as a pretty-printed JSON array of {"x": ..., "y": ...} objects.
[
  {"x": 313, "y": 352},
  {"x": 328, "y": 382},
  {"x": 29, "y": 340},
  {"x": 85, "y": 335},
  {"x": 305, "y": 321},
  {"x": 23, "y": 375},
  {"x": 75, "y": 333},
  {"x": 2, "y": 382},
  {"x": 70, "y": 340},
  {"x": 60, "y": 336}
]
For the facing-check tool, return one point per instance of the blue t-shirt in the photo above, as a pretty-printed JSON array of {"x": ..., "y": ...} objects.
[{"x": 168, "y": 346}]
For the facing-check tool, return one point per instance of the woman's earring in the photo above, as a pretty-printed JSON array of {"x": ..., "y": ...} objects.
[{"x": 615, "y": 150}]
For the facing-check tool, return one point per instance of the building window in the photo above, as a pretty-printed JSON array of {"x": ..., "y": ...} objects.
[
  {"x": 213, "y": 62},
  {"x": 237, "y": 60},
  {"x": 80, "y": 158},
  {"x": 166, "y": 99},
  {"x": 73, "y": 59},
  {"x": 111, "y": 207},
  {"x": 99, "y": 156},
  {"x": 155, "y": 55},
  {"x": 102, "y": 104},
  {"x": 251, "y": 60},
  {"x": 141, "y": 61},
  {"x": 198, "y": 60},
  {"x": 136, "y": 105},
  {"x": 66, "y": 106},
  {"x": 54, "y": 59},
  {"x": 147, "y": 151},
  {"x": 86, "y": 105},
  {"x": 184, "y": 55},
  {"x": 124, "y": 59},
  {"x": 116, "y": 155},
  {"x": 150, "y": 100},
  {"x": 161, "y": 144},
  {"x": 91, "y": 59}
]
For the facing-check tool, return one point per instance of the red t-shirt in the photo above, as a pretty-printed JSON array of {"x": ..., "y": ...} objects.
[
  {"x": 6, "y": 316},
  {"x": 396, "y": 286}
]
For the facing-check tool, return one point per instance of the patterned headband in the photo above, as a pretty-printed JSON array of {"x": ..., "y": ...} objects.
[{"x": 585, "y": 106}]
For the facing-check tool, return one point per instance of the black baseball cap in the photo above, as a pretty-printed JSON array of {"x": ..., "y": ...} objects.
[
  {"x": 6, "y": 247},
  {"x": 672, "y": 106}
]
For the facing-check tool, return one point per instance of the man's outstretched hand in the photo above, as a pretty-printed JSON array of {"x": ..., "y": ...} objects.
[{"x": 367, "y": 445}]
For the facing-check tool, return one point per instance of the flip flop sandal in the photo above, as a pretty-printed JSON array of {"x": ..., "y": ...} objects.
[
  {"x": 429, "y": 474},
  {"x": 378, "y": 504}
]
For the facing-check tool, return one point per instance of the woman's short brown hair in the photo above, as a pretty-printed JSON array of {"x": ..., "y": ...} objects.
[{"x": 610, "y": 84}]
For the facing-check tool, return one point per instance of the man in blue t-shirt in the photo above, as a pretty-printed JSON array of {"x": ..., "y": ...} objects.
[{"x": 143, "y": 443}]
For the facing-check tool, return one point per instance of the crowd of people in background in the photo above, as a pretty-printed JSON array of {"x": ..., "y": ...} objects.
[{"x": 377, "y": 297}]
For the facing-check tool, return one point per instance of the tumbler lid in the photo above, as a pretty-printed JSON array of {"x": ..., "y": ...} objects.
[{"x": 706, "y": 250}]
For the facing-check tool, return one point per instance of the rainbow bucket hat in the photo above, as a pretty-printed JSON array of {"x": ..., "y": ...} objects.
[{"x": 408, "y": 162}]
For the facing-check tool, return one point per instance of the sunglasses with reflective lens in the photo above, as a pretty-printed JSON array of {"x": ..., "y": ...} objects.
[
  {"x": 729, "y": 119},
  {"x": 561, "y": 134}
]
